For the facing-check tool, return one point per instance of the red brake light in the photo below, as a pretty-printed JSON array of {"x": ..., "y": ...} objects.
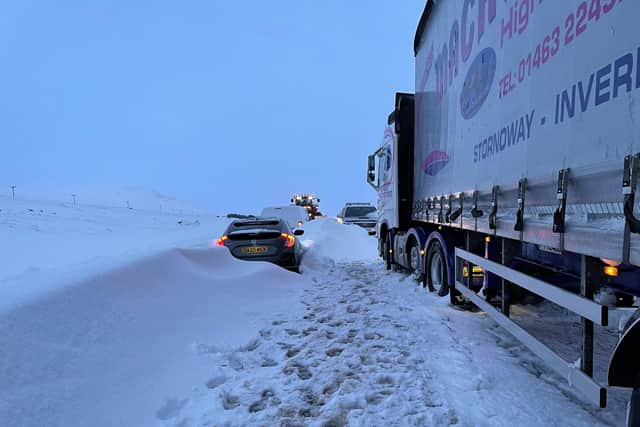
[
  {"x": 289, "y": 240},
  {"x": 220, "y": 241}
]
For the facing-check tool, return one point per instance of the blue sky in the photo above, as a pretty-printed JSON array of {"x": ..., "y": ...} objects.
[{"x": 228, "y": 105}]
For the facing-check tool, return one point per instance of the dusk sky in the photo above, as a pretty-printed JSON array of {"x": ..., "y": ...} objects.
[{"x": 229, "y": 106}]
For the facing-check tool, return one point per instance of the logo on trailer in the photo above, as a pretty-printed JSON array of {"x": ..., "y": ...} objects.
[
  {"x": 477, "y": 84},
  {"x": 435, "y": 161}
]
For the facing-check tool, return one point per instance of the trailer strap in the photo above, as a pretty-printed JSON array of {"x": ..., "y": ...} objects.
[
  {"x": 494, "y": 208},
  {"x": 561, "y": 194},
  {"x": 453, "y": 216},
  {"x": 447, "y": 214},
  {"x": 519, "y": 225},
  {"x": 475, "y": 212}
]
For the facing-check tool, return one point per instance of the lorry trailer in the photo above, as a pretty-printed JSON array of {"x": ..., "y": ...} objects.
[{"x": 513, "y": 168}]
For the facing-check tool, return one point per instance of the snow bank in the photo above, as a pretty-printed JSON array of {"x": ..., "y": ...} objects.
[
  {"x": 118, "y": 348},
  {"x": 325, "y": 238},
  {"x": 46, "y": 245}
]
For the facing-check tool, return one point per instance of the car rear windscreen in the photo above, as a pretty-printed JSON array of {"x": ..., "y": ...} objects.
[
  {"x": 255, "y": 230},
  {"x": 253, "y": 234}
]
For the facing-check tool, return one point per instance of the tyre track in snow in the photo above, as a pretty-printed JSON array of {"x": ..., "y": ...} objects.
[{"x": 373, "y": 348}]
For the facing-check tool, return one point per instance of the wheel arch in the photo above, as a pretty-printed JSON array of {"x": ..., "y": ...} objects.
[
  {"x": 448, "y": 242},
  {"x": 624, "y": 367}
]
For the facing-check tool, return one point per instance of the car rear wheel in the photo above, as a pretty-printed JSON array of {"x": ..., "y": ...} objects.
[{"x": 436, "y": 271}]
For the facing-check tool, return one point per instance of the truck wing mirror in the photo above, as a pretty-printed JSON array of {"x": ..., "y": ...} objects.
[{"x": 371, "y": 170}]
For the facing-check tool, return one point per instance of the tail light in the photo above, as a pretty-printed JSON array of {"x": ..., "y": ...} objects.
[
  {"x": 289, "y": 240},
  {"x": 221, "y": 240}
]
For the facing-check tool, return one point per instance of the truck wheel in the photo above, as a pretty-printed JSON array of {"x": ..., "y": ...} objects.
[
  {"x": 387, "y": 255},
  {"x": 633, "y": 410},
  {"x": 436, "y": 270},
  {"x": 414, "y": 261}
]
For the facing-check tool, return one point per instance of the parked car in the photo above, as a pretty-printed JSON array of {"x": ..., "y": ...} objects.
[
  {"x": 363, "y": 214},
  {"x": 295, "y": 216},
  {"x": 264, "y": 239}
]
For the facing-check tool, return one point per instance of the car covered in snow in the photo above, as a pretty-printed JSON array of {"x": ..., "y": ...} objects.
[
  {"x": 264, "y": 239},
  {"x": 363, "y": 214},
  {"x": 295, "y": 216}
]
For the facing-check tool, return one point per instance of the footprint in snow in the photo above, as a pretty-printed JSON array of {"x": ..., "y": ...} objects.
[
  {"x": 216, "y": 381},
  {"x": 251, "y": 346},
  {"x": 298, "y": 368},
  {"x": 309, "y": 331},
  {"x": 171, "y": 409},
  {"x": 333, "y": 352},
  {"x": 229, "y": 401},
  {"x": 268, "y": 363}
]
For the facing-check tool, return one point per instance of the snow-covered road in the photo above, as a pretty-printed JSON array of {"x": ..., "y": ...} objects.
[{"x": 374, "y": 349}]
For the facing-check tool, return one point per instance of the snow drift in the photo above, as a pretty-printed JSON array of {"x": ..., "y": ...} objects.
[{"x": 115, "y": 349}]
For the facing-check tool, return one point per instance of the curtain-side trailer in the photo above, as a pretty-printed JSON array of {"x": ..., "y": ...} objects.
[{"x": 514, "y": 167}]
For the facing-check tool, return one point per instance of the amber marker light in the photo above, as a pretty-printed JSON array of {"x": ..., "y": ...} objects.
[{"x": 610, "y": 271}]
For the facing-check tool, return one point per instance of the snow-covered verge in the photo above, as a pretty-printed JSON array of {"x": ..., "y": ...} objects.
[{"x": 48, "y": 244}]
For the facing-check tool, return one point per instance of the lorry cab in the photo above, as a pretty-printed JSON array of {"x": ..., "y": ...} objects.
[{"x": 390, "y": 172}]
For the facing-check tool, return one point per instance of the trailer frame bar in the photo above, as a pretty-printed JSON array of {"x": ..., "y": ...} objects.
[{"x": 589, "y": 311}]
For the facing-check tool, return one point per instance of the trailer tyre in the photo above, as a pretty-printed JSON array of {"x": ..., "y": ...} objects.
[
  {"x": 436, "y": 270},
  {"x": 633, "y": 411}
]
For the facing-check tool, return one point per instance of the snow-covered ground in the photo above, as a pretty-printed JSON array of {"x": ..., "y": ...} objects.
[
  {"x": 47, "y": 244},
  {"x": 118, "y": 317}
]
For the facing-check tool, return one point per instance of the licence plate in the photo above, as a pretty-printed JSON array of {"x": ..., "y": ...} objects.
[{"x": 255, "y": 249}]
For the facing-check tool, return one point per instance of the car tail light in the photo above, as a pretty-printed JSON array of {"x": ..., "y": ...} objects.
[
  {"x": 289, "y": 240},
  {"x": 220, "y": 241}
]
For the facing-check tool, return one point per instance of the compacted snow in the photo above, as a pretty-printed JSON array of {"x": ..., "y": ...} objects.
[{"x": 179, "y": 333}]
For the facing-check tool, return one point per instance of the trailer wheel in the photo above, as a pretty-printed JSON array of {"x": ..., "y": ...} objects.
[
  {"x": 633, "y": 410},
  {"x": 436, "y": 270}
]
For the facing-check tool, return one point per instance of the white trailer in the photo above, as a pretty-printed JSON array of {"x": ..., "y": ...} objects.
[{"x": 518, "y": 157}]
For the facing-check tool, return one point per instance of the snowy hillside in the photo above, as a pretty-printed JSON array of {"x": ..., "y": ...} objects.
[{"x": 120, "y": 317}]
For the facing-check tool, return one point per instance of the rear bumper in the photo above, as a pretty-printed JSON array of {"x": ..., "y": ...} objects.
[{"x": 286, "y": 259}]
